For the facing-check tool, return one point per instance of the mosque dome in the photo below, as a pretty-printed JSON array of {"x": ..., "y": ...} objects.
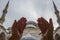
[
  {"x": 29, "y": 37},
  {"x": 31, "y": 24}
]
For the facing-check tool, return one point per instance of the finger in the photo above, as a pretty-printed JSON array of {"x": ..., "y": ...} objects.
[
  {"x": 21, "y": 24},
  {"x": 39, "y": 22},
  {"x": 50, "y": 21},
  {"x": 22, "y": 19},
  {"x": 45, "y": 21},
  {"x": 14, "y": 24},
  {"x": 51, "y": 24},
  {"x": 14, "y": 21},
  {"x": 39, "y": 19},
  {"x": 45, "y": 24},
  {"x": 14, "y": 27},
  {"x": 41, "y": 25}
]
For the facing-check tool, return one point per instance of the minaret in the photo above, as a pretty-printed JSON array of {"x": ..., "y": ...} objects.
[
  {"x": 2, "y": 19},
  {"x": 57, "y": 13}
]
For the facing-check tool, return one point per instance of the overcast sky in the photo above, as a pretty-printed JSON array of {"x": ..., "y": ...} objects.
[{"x": 31, "y": 9}]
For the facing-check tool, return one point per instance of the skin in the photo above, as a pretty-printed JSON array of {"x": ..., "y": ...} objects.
[
  {"x": 46, "y": 28},
  {"x": 18, "y": 28}
]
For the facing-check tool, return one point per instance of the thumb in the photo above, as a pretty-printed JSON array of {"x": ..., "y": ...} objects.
[
  {"x": 14, "y": 21},
  {"x": 14, "y": 24},
  {"x": 50, "y": 21}
]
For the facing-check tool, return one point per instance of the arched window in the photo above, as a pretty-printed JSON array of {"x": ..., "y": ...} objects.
[
  {"x": 2, "y": 36},
  {"x": 57, "y": 37},
  {"x": 29, "y": 37}
]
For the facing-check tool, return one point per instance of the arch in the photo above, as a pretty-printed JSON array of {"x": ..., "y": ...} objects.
[
  {"x": 57, "y": 37},
  {"x": 32, "y": 23},
  {"x": 29, "y": 37},
  {"x": 2, "y": 36}
]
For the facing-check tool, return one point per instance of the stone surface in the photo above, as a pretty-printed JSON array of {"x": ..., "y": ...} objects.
[
  {"x": 57, "y": 31},
  {"x": 2, "y": 20}
]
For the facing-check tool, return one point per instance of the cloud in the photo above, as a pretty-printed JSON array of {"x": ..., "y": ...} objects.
[{"x": 31, "y": 9}]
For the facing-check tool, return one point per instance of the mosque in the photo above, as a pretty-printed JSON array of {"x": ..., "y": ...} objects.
[{"x": 31, "y": 32}]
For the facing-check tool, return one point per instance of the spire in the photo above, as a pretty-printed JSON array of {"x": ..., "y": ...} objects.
[
  {"x": 56, "y": 13},
  {"x": 2, "y": 19},
  {"x": 6, "y": 7},
  {"x": 56, "y": 10}
]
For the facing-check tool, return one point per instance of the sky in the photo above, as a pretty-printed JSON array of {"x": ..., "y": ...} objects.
[{"x": 31, "y": 9}]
